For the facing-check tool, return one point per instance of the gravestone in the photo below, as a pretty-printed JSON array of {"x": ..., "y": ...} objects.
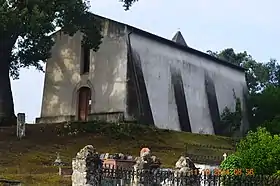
[
  {"x": 225, "y": 156},
  {"x": 20, "y": 125},
  {"x": 86, "y": 167},
  {"x": 144, "y": 164}
]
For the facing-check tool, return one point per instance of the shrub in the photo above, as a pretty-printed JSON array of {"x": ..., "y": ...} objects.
[{"x": 259, "y": 151}]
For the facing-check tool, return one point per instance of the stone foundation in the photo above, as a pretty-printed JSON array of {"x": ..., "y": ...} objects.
[
  {"x": 107, "y": 116},
  {"x": 54, "y": 119}
]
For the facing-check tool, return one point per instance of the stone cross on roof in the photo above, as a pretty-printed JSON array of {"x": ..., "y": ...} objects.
[{"x": 178, "y": 38}]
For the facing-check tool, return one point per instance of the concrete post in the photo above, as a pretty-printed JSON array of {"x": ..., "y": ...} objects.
[{"x": 20, "y": 125}]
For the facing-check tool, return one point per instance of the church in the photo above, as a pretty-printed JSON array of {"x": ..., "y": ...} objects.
[{"x": 141, "y": 77}]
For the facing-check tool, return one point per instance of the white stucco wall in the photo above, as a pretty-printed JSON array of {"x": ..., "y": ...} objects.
[
  {"x": 107, "y": 76},
  {"x": 156, "y": 59},
  {"x": 108, "y": 73}
]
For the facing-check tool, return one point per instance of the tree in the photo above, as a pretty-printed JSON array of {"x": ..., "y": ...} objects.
[
  {"x": 273, "y": 126},
  {"x": 259, "y": 151},
  {"x": 258, "y": 75},
  {"x": 25, "y": 25},
  {"x": 266, "y": 106}
]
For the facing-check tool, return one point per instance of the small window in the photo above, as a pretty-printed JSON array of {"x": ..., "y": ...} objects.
[{"x": 85, "y": 59}]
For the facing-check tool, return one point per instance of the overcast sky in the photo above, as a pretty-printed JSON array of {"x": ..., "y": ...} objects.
[{"x": 250, "y": 25}]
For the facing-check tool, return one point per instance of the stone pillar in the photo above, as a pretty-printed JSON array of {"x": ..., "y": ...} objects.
[
  {"x": 20, "y": 125},
  {"x": 86, "y": 167}
]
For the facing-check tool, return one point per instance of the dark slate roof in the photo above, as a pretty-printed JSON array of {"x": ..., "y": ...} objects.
[{"x": 178, "y": 38}]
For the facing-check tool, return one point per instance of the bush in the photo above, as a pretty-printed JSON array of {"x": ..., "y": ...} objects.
[
  {"x": 232, "y": 163},
  {"x": 259, "y": 151}
]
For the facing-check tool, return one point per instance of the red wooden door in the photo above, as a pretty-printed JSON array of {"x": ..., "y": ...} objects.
[{"x": 83, "y": 103}]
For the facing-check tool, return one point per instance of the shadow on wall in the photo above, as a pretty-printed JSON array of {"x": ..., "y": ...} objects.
[
  {"x": 61, "y": 73},
  {"x": 65, "y": 76},
  {"x": 213, "y": 104},
  {"x": 109, "y": 75},
  {"x": 180, "y": 99},
  {"x": 138, "y": 102}
]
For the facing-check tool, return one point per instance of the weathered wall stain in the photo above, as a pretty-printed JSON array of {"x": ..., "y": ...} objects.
[
  {"x": 179, "y": 93},
  {"x": 132, "y": 98},
  {"x": 138, "y": 100},
  {"x": 212, "y": 103}
]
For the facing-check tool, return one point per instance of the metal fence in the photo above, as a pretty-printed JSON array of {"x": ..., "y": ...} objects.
[{"x": 122, "y": 177}]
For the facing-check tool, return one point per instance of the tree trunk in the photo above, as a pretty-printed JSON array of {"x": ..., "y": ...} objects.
[{"x": 7, "y": 116}]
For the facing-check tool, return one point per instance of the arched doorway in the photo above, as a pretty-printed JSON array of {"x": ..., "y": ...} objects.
[{"x": 84, "y": 103}]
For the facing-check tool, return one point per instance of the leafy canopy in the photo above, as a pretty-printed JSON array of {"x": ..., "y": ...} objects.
[
  {"x": 258, "y": 75},
  {"x": 26, "y": 25}
]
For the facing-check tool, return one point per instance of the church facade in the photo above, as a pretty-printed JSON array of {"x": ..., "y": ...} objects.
[{"x": 138, "y": 76}]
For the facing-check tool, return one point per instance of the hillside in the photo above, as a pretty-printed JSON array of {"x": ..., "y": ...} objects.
[{"x": 30, "y": 159}]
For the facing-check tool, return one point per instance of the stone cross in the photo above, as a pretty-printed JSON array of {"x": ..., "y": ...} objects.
[
  {"x": 20, "y": 125},
  {"x": 58, "y": 163},
  {"x": 225, "y": 156}
]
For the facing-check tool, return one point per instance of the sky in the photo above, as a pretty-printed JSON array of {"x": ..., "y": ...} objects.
[{"x": 251, "y": 25}]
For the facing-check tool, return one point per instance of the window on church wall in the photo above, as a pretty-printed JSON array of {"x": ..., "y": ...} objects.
[{"x": 85, "y": 59}]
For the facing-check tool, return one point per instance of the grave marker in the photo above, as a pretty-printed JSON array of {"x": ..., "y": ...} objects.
[{"x": 20, "y": 125}]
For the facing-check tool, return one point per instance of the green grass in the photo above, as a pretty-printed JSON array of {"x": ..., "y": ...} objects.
[
  {"x": 30, "y": 159},
  {"x": 45, "y": 179}
]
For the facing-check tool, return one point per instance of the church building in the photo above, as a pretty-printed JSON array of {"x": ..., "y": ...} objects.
[{"x": 139, "y": 76}]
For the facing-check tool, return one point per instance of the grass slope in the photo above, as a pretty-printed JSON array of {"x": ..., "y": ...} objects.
[{"x": 30, "y": 159}]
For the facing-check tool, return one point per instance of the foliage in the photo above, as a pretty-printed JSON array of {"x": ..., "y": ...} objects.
[
  {"x": 128, "y": 3},
  {"x": 277, "y": 173},
  {"x": 26, "y": 29},
  {"x": 30, "y": 24},
  {"x": 115, "y": 131},
  {"x": 231, "y": 120},
  {"x": 259, "y": 151},
  {"x": 259, "y": 75},
  {"x": 231, "y": 163},
  {"x": 272, "y": 126},
  {"x": 265, "y": 105}
]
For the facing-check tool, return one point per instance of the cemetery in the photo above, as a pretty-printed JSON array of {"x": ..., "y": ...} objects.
[
  {"x": 122, "y": 106},
  {"x": 43, "y": 152},
  {"x": 102, "y": 154}
]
